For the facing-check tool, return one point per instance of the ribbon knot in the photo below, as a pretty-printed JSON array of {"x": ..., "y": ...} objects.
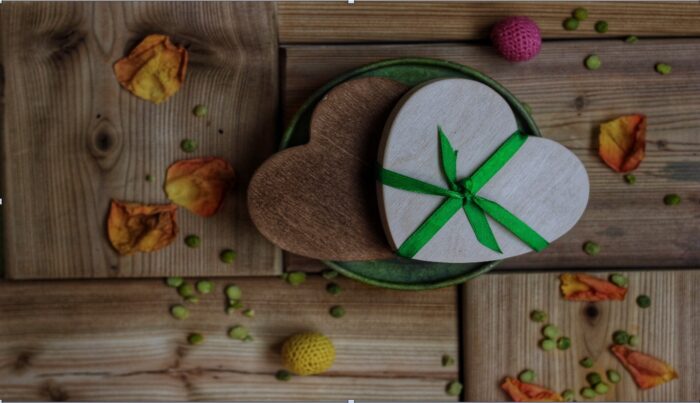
[{"x": 463, "y": 194}]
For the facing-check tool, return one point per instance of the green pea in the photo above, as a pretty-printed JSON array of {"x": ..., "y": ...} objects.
[
  {"x": 593, "y": 62},
  {"x": 235, "y": 304},
  {"x": 621, "y": 337},
  {"x": 192, "y": 299},
  {"x": 663, "y": 68},
  {"x": 249, "y": 313},
  {"x": 447, "y": 360},
  {"x": 527, "y": 376},
  {"x": 631, "y": 39},
  {"x": 188, "y": 145},
  {"x": 193, "y": 241},
  {"x": 185, "y": 290},
  {"x": 672, "y": 199},
  {"x": 601, "y": 388},
  {"x": 295, "y": 278},
  {"x": 333, "y": 289},
  {"x": 563, "y": 343},
  {"x": 586, "y": 362},
  {"x": 283, "y": 375},
  {"x": 550, "y": 332},
  {"x": 591, "y": 248},
  {"x": 568, "y": 395},
  {"x": 238, "y": 332},
  {"x": 631, "y": 179},
  {"x": 633, "y": 341},
  {"x": 619, "y": 280},
  {"x": 454, "y": 388},
  {"x": 538, "y": 316},
  {"x": 149, "y": 178},
  {"x": 233, "y": 292},
  {"x": 588, "y": 393},
  {"x": 329, "y": 274},
  {"x": 205, "y": 286},
  {"x": 337, "y": 311},
  {"x": 571, "y": 24},
  {"x": 548, "y": 344},
  {"x": 200, "y": 111},
  {"x": 601, "y": 27},
  {"x": 593, "y": 378},
  {"x": 174, "y": 281},
  {"x": 227, "y": 256},
  {"x": 580, "y": 14},
  {"x": 195, "y": 338},
  {"x": 613, "y": 376},
  {"x": 179, "y": 312},
  {"x": 643, "y": 301}
]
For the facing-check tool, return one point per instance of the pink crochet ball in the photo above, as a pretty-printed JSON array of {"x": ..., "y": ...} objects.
[{"x": 517, "y": 38}]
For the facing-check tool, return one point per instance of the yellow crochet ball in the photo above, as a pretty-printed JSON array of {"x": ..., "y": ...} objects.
[{"x": 308, "y": 353}]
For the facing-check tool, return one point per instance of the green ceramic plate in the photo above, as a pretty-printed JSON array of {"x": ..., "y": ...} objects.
[{"x": 401, "y": 273}]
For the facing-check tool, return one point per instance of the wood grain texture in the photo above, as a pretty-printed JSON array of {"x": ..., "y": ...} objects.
[
  {"x": 114, "y": 340},
  {"x": 374, "y": 21},
  {"x": 631, "y": 223},
  {"x": 73, "y": 138},
  {"x": 543, "y": 183},
  {"x": 319, "y": 199},
  {"x": 500, "y": 340}
]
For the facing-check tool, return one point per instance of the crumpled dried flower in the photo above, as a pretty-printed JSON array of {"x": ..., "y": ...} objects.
[
  {"x": 583, "y": 287},
  {"x": 528, "y": 392},
  {"x": 154, "y": 70},
  {"x": 134, "y": 227},
  {"x": 646, "y": 370},
  {"x": 622, "y": 142},
  {"x": 199, "y": 184}
]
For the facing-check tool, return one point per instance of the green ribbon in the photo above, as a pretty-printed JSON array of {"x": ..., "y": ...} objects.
[{"x": 463, "y": 194}]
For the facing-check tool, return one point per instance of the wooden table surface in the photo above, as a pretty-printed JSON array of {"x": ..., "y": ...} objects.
[{"x": 71, "y": 334}]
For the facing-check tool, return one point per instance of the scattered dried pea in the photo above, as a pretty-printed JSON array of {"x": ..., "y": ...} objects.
[
  {"x": 185, "y": 290},
  {"x": 538, "y": 316},
  {"x": 527, "y": 376},
  {"x": 672, "y": 199},
  {"x": 580, "y": 14},
  {"x": 548, "y": 344},
  {"x": 619, "y": 280},
  {"x": 621, "y": 337},
  {"x": 643, "y": 301},
  {"x": 631, "y": 179},
  {"x": 593, "y": 62},
  {"x": 195, "y": 338},
  {"x": 333, "y": 289},
  {"x": 205, "y": 286},
  {"x": 663, "y": 68},
  {"x": 193, "y": 241},
  {"x": 188, "y": 145},
  {"x": 454, "y": 388},
  {"x": 601, "y": 27},
  {"x": 563, "y": 343},
  {"x": 174, "y": 281},
  {"x": 296, "y": 277},
  {"x": 337, "y": 311},
  {"x": 329, "y": 274},
  {"x": 593, "y": 378},
  {"x": 633, "y": 341},
  {"x": 447, "y": 360},
  {"x": 613, "y": 376},
  {"x": 591, "y": 248},
  {"x": 631, "y": 39},
  {"x": 588, "y": 393},
  {"x": 249, "y": 313},
  {"x": 179, "y": 312},
  {"x": 586, "y": 362},
  {"x": 283, "y": 375},
  {"x": 233, "y": 293},
  {"x": 571, "y": 24},
  {"x": 550, "y": 332},
  {"x": 238, "y": 332},
  {"x": 601, "y": 388},
  {"x": 568, "y": 395},
  {"x": 227, "y": 256},
  {"x": 235, "y": 304},
  {"x": 192, "y": 299},
  {"x": 200, "y": 111}
]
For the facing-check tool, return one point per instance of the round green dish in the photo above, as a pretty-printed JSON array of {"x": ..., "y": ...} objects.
[{"x": 398, "y": 273}]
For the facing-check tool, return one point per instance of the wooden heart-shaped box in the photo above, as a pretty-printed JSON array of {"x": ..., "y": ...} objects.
[{"x": 542, "y": 184}]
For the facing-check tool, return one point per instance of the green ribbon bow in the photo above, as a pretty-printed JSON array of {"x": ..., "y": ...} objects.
[{"x": 463, "y": 194}]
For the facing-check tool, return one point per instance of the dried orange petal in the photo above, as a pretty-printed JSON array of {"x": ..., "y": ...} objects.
[
  {"x": 134, "y": 227},
  {"x": 154, "y": 70},
  {"x": 199, "y": 184},
  {"x": 622, "y": 142},
  {"x": 646, "y": 370},
  {"x": 583, "y": 287},
  {"x": 528, "y": 392}
]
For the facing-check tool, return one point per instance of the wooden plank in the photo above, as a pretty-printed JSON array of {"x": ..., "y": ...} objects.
[
  {"x": 114, "y": 340},
  {"x": 500, "y": 339},
  {"x": 631, "y": 223},
  {"x": 370, "y": 21},
  {"x": 73, "y": 138}
]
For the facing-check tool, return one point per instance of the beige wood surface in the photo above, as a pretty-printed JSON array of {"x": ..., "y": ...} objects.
[
  {"x": 115, "y": 340},
  {"x": 370, "y": 21},
  {"x": 631, "y": 223},
  {"x": 499, "y": 339},
  {"x": 73, "y": 138}
]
